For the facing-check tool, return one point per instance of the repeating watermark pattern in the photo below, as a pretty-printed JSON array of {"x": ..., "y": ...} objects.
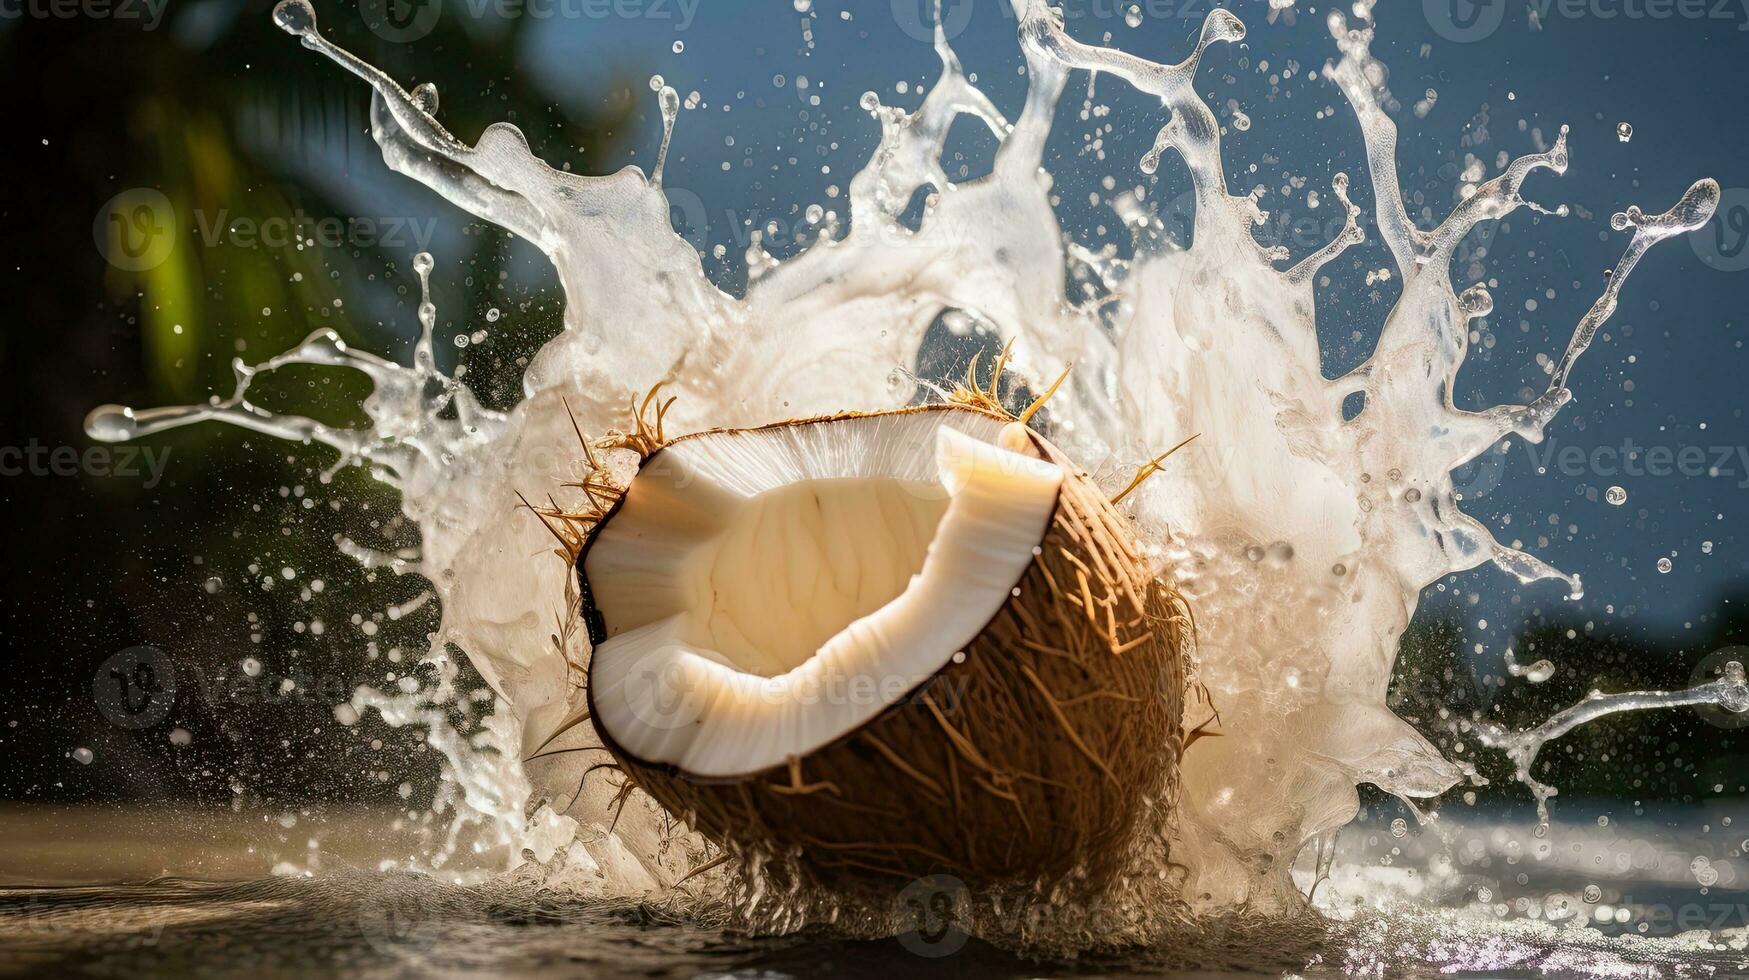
[
  {"x": 1724, "y": 243},
  {"x": 147, "y": 13},
  {"x": 406, "y": 21},
  {"x": 135, "y": 688},
  {"x": 1480, "y": 476},
  {"x": 137, "y": 230},
  {"x": 402, "y": 921},
  {"x": 1627, "y": 459},
  {"x": 300, "y": 229},
  {"x": 933, "y": 912},
  {"x": 1466, "y": 21},
  {"x": 675, "y": 694},
  {"x": 1630, "y": 459},
  {"x": 122, "y": 462},
  {"x": 917, "y": 18},
  {"x": 401, "y": 21},
  {"x": 1663, "y": 919}
]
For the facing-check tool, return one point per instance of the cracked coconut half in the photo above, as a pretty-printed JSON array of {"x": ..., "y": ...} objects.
[{"x": 885, "y": 646}]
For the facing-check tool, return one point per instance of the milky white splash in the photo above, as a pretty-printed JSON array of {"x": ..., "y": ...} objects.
[{"x": 1301, "y": 537}]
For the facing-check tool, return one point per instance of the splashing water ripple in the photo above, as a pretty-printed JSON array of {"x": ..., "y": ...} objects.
[{"x": 1302, "y": 536}]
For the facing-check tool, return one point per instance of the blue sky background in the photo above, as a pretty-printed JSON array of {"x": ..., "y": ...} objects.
[{"x": 1507, "y": 74}]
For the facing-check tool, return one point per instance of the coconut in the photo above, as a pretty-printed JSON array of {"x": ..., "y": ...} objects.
[{"x": 883, "y": 646}]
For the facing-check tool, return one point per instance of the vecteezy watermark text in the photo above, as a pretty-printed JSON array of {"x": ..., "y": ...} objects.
[
  {"x": 299, "y": 228},
  {"x": 404, "y": 21},
  {"x": 149, "y": 13},
  {"x": 35, "y": 459},
  {"x": 1465, "y": 21},
  {"x": 136, "y": 687},
  {"x": 1630, "y": 459},
  {"x": 137, "y": 230}
]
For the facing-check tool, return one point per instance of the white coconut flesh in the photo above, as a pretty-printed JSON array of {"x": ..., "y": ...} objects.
[{"x": 768, "y": 591}]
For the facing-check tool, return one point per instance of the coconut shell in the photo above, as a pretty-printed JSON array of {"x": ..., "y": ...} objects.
[{"x": 1040, "y": 755}]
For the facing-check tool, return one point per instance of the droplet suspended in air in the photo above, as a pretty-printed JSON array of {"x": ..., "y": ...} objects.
[
  {"x": 1616, "y": 496},
  {"x": 1624, "y": 131},
  {"x": 295, "y": 17},
  {"x": 1664, "y": 566}
]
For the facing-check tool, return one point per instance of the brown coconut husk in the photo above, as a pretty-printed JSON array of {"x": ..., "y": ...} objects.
[{"x": 1042, "y": 756}]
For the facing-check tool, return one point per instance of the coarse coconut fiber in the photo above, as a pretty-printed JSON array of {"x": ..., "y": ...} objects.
[{"x": 1039, "y": 753}]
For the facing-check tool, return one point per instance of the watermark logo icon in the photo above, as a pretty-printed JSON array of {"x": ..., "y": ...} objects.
[
  {"x": 1480, "y": 476},
  {"x": 136, "y": 229},
  {"x": 1723, "y": 243},
  {"x": 402, "y": 921},
  {"x": 135, "y": 688},
  {"x": 400, "y": 21},
  {"x": 933, "y": 911},
  {"x": 917, "y": 18},
  {"x": 1464, "y": 21},
  {"x": 664, "y": 697}
]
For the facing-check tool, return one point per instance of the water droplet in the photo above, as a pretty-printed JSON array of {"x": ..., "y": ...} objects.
[
  {"x": 803, "y": 6},
  {"x": 1616, "y": 496},
  {"x": 425, "y": 97},
  {"x": 83, "y": 755},
  {"x": 1133, "y": 16},
  {"x": 679, "y": 47},
  {"x": 111, "y": 423},
  {"x": 1704, "y": 873},
  {"x": 1624, "y": 131},
  {"x": 1412, "y": 495},
  {"x": 295, "y": 17},
  {"x": 1399, "y": 827},
  {"x": 1593, "y": 894},
  {"x": 1664, "y": 566},
  {"x": 492, "y": 315},
  {"x": 251, "y": 667}
]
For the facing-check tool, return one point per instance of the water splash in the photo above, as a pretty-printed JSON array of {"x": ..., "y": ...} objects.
[
  {"x": 1302, "y": 536},
  {"x": 1730, "y": 691}
]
